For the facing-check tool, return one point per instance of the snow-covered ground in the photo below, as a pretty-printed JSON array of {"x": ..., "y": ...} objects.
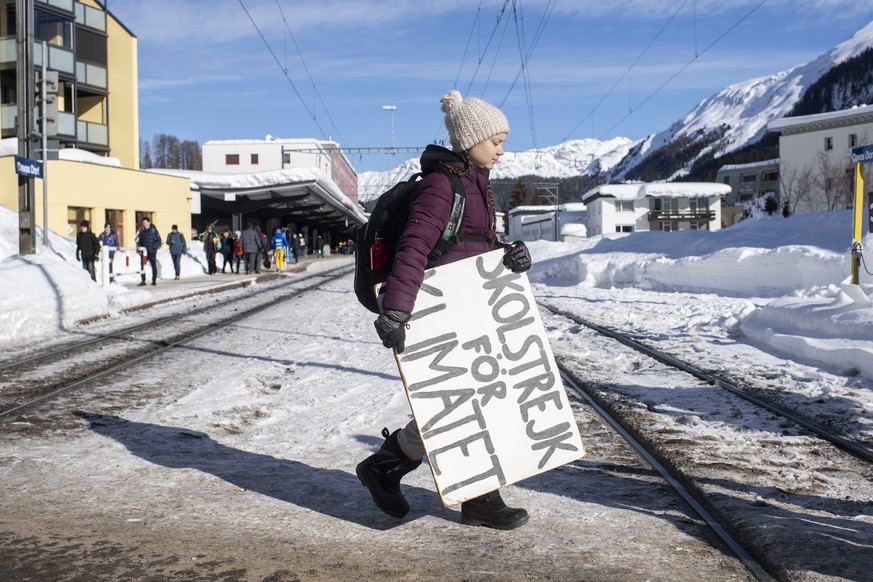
[
  {"x": 245, "y": 440},
  {"x": 788, "y": 279}
]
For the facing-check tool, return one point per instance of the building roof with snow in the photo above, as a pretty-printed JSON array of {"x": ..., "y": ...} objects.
[
  {"x": 639, "y": 191},
  {"x": 853, "y": 116}
]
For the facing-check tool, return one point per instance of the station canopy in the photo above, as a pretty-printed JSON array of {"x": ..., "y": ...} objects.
[{"x": 304, "y": 196}]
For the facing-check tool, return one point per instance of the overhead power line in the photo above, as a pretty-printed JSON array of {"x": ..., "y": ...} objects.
[
  {"x": 669, "y": 80},
  {"x": 284, "y": 71},
  {"x": 681, "y": 70}
]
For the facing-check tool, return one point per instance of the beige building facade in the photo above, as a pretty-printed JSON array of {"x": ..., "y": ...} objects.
[{"x": 95, "y": 56}]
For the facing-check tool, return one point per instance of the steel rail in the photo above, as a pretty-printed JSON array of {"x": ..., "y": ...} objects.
[
  {"x": 72, "y": 347},
  {"x": 750, "y": 563},
  {"x": 852, "y": 447},
  {"x": 187, "y": 337}
]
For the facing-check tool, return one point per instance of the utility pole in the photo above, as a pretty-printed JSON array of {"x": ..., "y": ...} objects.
[
  {"x": 549, "y": 192},
  {"x": 25, "y": 124}
]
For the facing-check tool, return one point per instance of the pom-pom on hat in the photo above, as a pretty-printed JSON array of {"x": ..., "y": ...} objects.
[{"x": 471, "y": 120}]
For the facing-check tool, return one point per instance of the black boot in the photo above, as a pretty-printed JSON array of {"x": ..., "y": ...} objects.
[
  {"x": 381, "y": 474},
  {"x": 489, "y": 510}
]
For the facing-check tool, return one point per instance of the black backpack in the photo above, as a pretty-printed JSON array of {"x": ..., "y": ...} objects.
[{"x": 389, "y": 218}]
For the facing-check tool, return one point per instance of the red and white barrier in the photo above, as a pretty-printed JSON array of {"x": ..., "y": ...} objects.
[{"x": 127, "y": 261}]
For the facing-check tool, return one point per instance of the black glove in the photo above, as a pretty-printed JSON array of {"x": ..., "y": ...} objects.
[
  {"x": 517, "y": 257},
  {"x": 391, "y": 327}
]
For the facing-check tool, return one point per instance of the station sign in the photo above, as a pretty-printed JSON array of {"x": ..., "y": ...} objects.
[
  {"x": 28, "y": 168},
  {"x": 862, "y": 155}
]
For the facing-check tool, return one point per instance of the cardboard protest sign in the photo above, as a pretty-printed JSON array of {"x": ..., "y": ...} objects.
[{"x": 482, "y": 381}]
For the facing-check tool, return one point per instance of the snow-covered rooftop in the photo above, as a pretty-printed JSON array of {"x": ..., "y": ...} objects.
[
  {"x": 845, "y": 114},
  {"x": 271, "y": 139},
  {"x": 749, "y": 166},
  {"x": 657, "y": 190},
  {"x": 9, "y": 147}
]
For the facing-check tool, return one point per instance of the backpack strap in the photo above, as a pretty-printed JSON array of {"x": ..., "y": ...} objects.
[{"x": 450, "y": 233}]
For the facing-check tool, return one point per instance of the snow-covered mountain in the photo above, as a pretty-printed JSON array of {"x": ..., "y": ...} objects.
[
  {"x": 572, "y": 158},
  {"x": 738, "y": 115},
  {"x": 729, "y": 120}
]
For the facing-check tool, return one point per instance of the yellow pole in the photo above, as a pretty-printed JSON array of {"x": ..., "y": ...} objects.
[{"x": 857, "y": 223}]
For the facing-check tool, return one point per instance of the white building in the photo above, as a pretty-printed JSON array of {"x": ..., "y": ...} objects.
[
  {"x": 815, "y": 153},
  {"x": 530, "y": 223},
  {"x": 663, "y": 206},
  {"x": 245, "y": 156}
]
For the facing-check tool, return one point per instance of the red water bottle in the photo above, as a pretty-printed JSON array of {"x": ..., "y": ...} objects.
[{"x": 379, "y": 258}]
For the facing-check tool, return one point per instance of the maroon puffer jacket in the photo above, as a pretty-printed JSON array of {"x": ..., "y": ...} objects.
[{"x": 428, "y": 216}]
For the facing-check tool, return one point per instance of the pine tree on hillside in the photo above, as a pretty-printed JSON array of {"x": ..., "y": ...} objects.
[{"x": 519, "y": 196}]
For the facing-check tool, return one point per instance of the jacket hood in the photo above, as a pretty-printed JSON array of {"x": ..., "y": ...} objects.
[{"x": 435, "y": 155}]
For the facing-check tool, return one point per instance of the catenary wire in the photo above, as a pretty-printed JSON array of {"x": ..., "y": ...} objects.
[
  {"x": 308, "y": 73},
  {"x": 284, "y": 71},
  {"x": 682, "y": 69},
  {"x": 627, "y": 72}
]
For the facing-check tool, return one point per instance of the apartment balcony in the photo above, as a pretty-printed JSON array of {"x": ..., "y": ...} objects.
[
  {"x": 661, "y": 215},
  {"x": 94, "y": 134},
  {"x": 93, "y": 75},
  {"x": 62, "y": 4},
  {"x": 59, "y": 58}
]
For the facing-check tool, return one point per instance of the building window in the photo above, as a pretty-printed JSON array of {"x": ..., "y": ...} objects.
[
  {"x": 254, "y": 159},
  {"x": 853, "y": 140},
  {"x": 286, "y": 158},
  {"x": 624, "y": 205},
  {"x": 53, "y": 29},
  {"x": 770, "y": 176},
  {"x": 699, "y": 204},
  {"x": 624, "y": 228},
  {"x": 829, "y": 143},
  {"x": 231, "y": 159},
  {"x": 746, "y": 178},
  {"x": 91, "y": 47},
  {"x": 727, "y": 180},
  {"x": 745, "y": 197},
  {"x": 666, "y": 204},
  {"x": 75, "y": 215},
  {"x": 699, "y": 225}
]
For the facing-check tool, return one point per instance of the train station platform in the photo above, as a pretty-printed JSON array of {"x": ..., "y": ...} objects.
[{"x": 137, "y": 297}]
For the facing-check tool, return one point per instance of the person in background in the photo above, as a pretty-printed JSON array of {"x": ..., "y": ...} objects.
[
  {"x": 87, "y": 247},
  {"x": 295, "y": 245},
  {"x": 477, "y": 131},
  {"x": 211, "y": 244},
  {"x": 250, "y": 240},
  {"x": 302, "y": 243},
  {"x": 149, "y": 238},
  {"x": 109, "y": 238},
  {"x": 280, "y": 246},
  {"x": 226, "y": 250},
  {"x": 178, "y": 247},
  {"x": 263, "y": 253},
  {"x": 237, "y": 252},
  {"x": 319, "y": 246}
]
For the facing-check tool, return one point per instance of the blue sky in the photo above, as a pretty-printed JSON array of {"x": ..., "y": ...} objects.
[{"x": 598, "y": 69}]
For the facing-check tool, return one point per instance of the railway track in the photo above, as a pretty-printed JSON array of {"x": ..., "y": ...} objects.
[
  {"x": 747, "y": 466},
  {"x": 32, "y": 380}
]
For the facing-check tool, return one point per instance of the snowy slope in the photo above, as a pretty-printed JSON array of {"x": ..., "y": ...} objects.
[
  {"x": 739, "y": 113},
  {"x": 566, "y": 160},
  {"x": 743, "y": 110}
]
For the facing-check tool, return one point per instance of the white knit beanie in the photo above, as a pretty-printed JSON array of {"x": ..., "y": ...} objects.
[{"x": 471, "y": 121}]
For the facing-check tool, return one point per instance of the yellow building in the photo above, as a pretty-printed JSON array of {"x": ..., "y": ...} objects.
[{"x": 95, "y": 56}]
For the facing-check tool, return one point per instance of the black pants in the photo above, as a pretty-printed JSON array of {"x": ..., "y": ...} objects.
[
  {"x": 177, "y": 263},
  {"x": 210, "y": 260},
  {"x": 88, "y": 265},
  {"x": 252, "y": 263},
  {"x": 153, "y": 262}
]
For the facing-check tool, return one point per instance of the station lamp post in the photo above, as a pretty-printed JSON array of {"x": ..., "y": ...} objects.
[{"x": 392, "y": 109}]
